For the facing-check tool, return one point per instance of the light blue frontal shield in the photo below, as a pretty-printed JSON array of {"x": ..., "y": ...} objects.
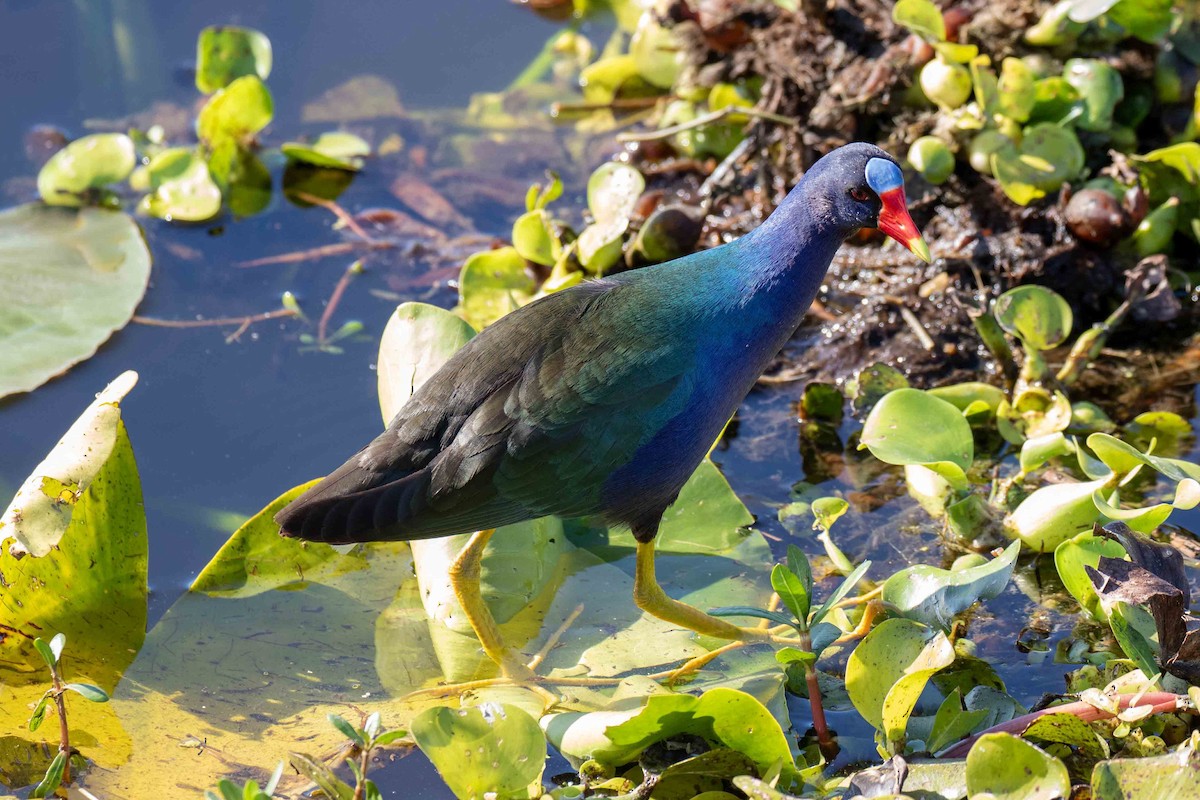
[{"x": 883, "y": 176}]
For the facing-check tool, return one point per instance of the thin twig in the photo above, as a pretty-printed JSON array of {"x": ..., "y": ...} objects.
[
  {"x": 541, "y": 654},
  {"x": 324, "y": 251},
  {"x": 707, "y": 119},
  {"x": 619, "y": 104},
  {"x": 338, "y": 212},
  {"x": 242, "y": 322},
  {"x": 334, "y": 299}
]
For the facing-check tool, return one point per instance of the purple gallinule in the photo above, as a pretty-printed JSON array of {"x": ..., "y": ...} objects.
[{"x": 603, "y": 398}]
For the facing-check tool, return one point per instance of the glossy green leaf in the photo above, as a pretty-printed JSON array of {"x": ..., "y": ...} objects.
[
  {"x": 1070, "y": 558},
  {"x": 1016, "y": 88},
  {"x": 1128, "y": 631},
  {"x": 1100, "y": 89},
  {"x": 724, "y": 716},
  {"x": 798, "y": 564},
  {"x": 909, "y": 426},
  {"x": 492, "y": 284},
  {"x": 1070, "y": 730},
  {"x": 88, "y": 690},
  {"x": 1123, "y": 458},
  {"x": 965, "y": 395},
  {"x": 1009, "y": 768},
  {"x": 329, "y": 784},
  {"x": 952, "y": 722},
  {"x": 1170, "y": 775},
  {"x": 1053, "y": 514},
  {"x": 791, "y": 590},
  {"x": 657, "y": 53},
  {"x": 888, "y": 670},
  {"x": 828, "y": 510},
  {"x": 1047, "y": 157},
  {"x": 90, "y": 162},
  {"x": 335, "y": 150},
  {"x": 489, "y": 751},
  {"x": 346, "y": 729},
  {"x": 236, "y": 113},
  {"x": 921, "y": 17},
  {"x": 1170, "y": 432},
  {"x": 841, "y": 592},
  {"x": 935, "y": 596},
  {"x": 1038, "y": 316},
  {"x": 612, "y": 192},
  {"x": 870, "y": 385},
  {"x": 417, "y": 340},
  {"x": 45, "y": 652},
  {"x": 534, "y": 238},
  {"x": 53, "y": 777},
  {"x": 179, "y": 185},
  {"x": 1037, "y": 451},
  {"x": 225, "y": 53},
  {"x": 244, "y": 181}
]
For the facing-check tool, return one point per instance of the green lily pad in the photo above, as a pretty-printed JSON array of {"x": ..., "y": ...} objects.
[
  {"x": 336, "y": 150},
  {"x": 236, "y": 113},
  {"x": 909, "y": 426},
  {"x": 1072, "y": 556},
  {"x": 69, "y": 279},
  {"x": 1038, "y": 316},
  {"x": 1010, "y": 768},
  {"x": 888, "y": 671},
  {"x": 91, "y": 162},
  {"x": 180, "y": 187},
  {"x": 495, "y": 750},
  {"x": 225, "y": 53},
  {"x": 74, "y": 553},
  {"x": 934, "y": 596},
  {"x": 492, "y": 284}
]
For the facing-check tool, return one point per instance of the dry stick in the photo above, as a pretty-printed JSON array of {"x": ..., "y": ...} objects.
[
  {"x": 334, "y": 299},
  {"x": 324, "y": 251},
  {"x": 338, "y": 212},
  {"x": 619, "y": 104},
  {"x": 1160, "y": 703},
  {"x": 242, "y": 322},
  {"x": 706, "y": 119}
]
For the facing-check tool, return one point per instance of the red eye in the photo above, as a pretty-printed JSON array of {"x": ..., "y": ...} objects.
[{"x": 859, "y": 194}]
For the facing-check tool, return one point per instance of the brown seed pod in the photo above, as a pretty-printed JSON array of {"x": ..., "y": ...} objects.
[{"x": 1096, "y": 217}]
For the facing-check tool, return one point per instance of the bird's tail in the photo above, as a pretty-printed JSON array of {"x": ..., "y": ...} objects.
[{"x": 342, "y": 510}]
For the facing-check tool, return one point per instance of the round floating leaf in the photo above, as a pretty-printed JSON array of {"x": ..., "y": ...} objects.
[
  {"x": 225, "y": 53},
  {"x": 84, "y": 164},
  {"x": 1175, "y": 774},
  {"x": 1055, "y": 513},
  {"x": 613, "y": 191},
  {"x": 493, "y": 283},
  {"x": 534, "y": 238},
  {"x": 1100, "y": 89},
  {"x": 68, "y": 279},
  {"x": 489, "y": 751},
  {"x": 235, "y": 113},
  {"x": 934, "y": 596},
  {"x": 336, "y": 150},
  {"x": 909, "y": 426},
  {"x": 417, "y": 341},
  {"x": 180, "y": 187},
  {"x": 1007, "y": 767},
  {"x": 970, "y": 395},
  {"x": 1038, "y": 316},
  {"x": 888, "y": 670},
  {"x": 1047, "y": 157}
]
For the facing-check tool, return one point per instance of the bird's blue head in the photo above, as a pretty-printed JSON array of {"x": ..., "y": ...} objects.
[{"x": 860, "y": 186}]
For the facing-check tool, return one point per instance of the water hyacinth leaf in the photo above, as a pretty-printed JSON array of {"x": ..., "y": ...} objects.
[
  {"x": 613, "y": 191},
  {"x": 1070, "y": 558},
  {"x": 179, "y": 185},
  {"x": 88, "y": 163},
  {"x": 828, "y": 510},
  {"x": 657, "y": 52},
  {"x": 492, "y": 284},
  {"x": 1009, "y": 768},
  {"x": 226, "y": 52},
  {"x": 534, "y": 238},
  {"x": 236, "y": 113},
  {"x": 1123, "y": 458},
  {"x": 1047, "y": 157},
  {"x": 1173, "y": 774},
  {"x": 69, "y": 279},
  {"x": 244, "y": 181},
  {"x": 1035, "y": 413},
  {"x": 1055, "y": 100},
  {"x": 1038, "y": 316},
  {"x": 870, "y": 385},
  {"x": 952, "y": 722},
  {"x": 604, "y": 78},
  {"x": 909, "y": 426},
  {"x": 888, "y": 670},
  {"x": 729, "y": 717},
  {"x": 1148, "y": 20},
  {"x": 921, "y": 17},
  {"x": 1054, "y": 513},
  {"x": 1100, "y": 90},
  {"x": 1070, "y": 730},
  {"x": 1148, "y": 518},
  {"x": 1088, "y": 10},
  {"x": 934, "y": 596},
  {"x": 495, "y": 750},
  {"x": 964, "y": 396},
  {"x": 1166, "y": 429},
  {"x": 1017, "y": 94},
  {"x": 1123, "y": 617},
  {"x": 1037, "y": 451},
  {"x": 417, "y": 340},
  {"x": 335, "y": 150}
]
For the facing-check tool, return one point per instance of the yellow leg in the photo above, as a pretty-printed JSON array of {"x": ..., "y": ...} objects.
[
  {"x": 464, "y": 579},
  {"x": 651, "y": 598}
]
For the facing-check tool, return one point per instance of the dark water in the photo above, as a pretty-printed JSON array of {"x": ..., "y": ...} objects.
[{"x": 224, "y": 427}]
